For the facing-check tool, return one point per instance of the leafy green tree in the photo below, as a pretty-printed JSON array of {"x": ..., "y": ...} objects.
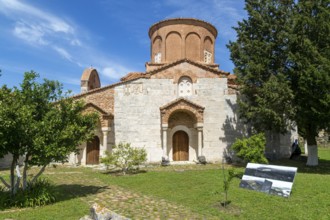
[
  {"x": 40, "y": 125},
  {"x": 281, "y": 59},
  {"x": 125, "y": 157}
]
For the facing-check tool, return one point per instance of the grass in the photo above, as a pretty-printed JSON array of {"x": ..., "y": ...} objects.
[{"x": 197, "y": 188}]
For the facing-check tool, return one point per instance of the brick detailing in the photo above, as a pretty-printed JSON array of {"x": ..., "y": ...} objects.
[
  {"x": 103, "y": 99},
  {"x": 182, "y": 38},
  {"x": 182, "y": 105},
  {"x": 90, "y": 80},
  {"x": 181, "y": 118},
  {"x": 232, "y": 84},
  {"x": 105, "y": 119},
  {"x": 185, "y": 69},
  {"x": 210, "y": 68}
]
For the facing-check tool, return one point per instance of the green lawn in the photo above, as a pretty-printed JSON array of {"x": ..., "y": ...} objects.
[{"x": 197, "y": 188}]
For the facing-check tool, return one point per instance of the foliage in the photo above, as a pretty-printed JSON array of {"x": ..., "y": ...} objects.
[
  {"x": 38, "y": 193},
  {"x": 251, "y": 149},
  {"x": 259, "y": 58},
  {"x": 40, "y": 125},
  {"x": 125, "y": 157},
  {"x": 281, "y": 59}
]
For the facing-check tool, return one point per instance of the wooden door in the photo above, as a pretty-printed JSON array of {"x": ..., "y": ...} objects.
[
  {"x": 93, "y": 151},
  {"x": 180, "y": 146}
]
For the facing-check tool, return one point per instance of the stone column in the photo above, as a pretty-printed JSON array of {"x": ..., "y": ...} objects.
[
  {"x": 104, "y": 147},
  {"x": 199, "y": 127},
  {"x": 164, "y": 129}
]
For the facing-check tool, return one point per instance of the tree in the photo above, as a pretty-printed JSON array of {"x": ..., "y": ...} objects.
[
  {"x": 40, "y": 125},
  {"x": 282, "y": 67},
  {"x": 259, "y": 58},
  {"x": 309, "y": 62},
  {"x": 125, "y": 157}
]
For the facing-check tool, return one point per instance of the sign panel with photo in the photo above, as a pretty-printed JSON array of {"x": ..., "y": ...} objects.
[{"x": 271, "y": 179}]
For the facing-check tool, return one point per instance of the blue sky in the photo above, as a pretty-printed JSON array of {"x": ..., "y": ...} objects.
[{"x": 60, "y": 38}]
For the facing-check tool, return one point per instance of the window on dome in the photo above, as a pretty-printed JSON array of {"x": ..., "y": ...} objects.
[
  {"x": 207, "y": 57},
  {"x": 158, "y": 58}
]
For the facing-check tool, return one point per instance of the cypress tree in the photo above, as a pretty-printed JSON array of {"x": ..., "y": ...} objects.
[{"x": 281, "y": 59}]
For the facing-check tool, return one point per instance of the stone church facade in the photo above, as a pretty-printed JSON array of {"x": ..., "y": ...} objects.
[{"x": 182, "y": 107}]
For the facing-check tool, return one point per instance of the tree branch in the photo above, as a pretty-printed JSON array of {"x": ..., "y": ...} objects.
[
  {"x": 39, "y": 173},
  {"x": 26, "y": 163},
  {"x": 4, "y": 182}
]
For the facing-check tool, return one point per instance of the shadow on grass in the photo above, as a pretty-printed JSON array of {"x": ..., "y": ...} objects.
[
  {"x": 61, "y": 193},
  {"x": 300, "y": 162},
  {"x": 120, "y": 173},
  {"x": 71, "y": 191}
]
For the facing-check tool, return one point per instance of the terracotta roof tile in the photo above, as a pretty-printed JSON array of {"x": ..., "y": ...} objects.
[{"x": 131, "y": 75}]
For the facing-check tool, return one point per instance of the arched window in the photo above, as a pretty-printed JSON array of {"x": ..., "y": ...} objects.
[{"x": 185, "y": 86}]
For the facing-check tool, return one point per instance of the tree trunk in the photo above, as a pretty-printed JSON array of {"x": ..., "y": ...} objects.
[
  {"x": 306, "y": 147},
  {"x": 313, "y": 159},
  {"x": 12, "y": 174},
  {"x": 26, "y": 163},
  {"x": 18, "y": 181}
]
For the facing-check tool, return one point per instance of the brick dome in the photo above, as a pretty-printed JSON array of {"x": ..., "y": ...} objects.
[{"x": 182, "y": 38}]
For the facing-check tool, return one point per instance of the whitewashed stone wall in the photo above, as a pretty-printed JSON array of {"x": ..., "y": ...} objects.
[{"x": 138, "y": 121}]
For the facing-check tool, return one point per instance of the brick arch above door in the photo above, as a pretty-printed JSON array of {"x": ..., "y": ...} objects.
[{"x": 182, "y": 104}]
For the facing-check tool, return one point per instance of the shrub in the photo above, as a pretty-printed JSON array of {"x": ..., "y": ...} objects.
[
  {"x": 251, "y": 149},
  {"x": 4, "y": 197},
  {"x": 39, "y": 193},
  {"x": 125, "y": 157}
]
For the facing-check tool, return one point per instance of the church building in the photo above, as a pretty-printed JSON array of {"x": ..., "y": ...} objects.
[{"x": 182, "y": 107}]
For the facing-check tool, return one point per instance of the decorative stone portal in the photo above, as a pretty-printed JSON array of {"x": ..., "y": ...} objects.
[
  {"x": 182, "y": 130},
  {"x": 93, "y": 151},
  {"x": 180, "y": 146}
]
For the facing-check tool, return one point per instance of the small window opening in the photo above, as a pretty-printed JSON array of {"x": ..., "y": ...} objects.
[
  {"x": 207, "y": 57},
  {"x": 158, "y": 58}
]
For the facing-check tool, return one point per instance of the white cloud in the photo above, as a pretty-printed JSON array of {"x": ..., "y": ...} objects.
[
  {"x": 63, "y": 53},
  {"x": 37, "y": 27},
  {"x": 14, "y": 8},
  {"x": 66, "y": 55},
  {"x": 32, "y": 34}
]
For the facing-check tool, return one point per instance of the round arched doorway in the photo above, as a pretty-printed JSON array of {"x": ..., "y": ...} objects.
[
  {"x": 180, "y": 146},
  {"x": 93, "y": 151}
]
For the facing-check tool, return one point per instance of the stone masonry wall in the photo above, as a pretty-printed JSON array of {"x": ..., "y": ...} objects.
[{"x": 137, "y": 115}]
